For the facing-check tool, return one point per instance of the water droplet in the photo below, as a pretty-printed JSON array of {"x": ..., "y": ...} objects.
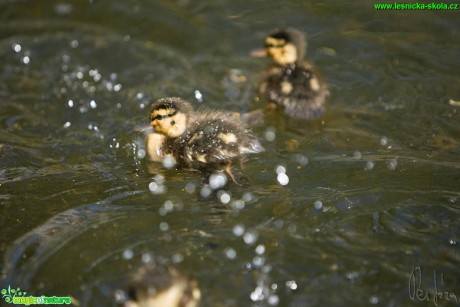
[
  {"x": 250, "y": 237},
  {"x": 153, "y": 186},
  {"x": 177, "y": 258},
  {"x": 16, "y": 47},
  {"x": 70, "y": 103},
  {"x": 292, "y": 229},
  {"x": 238, "y": 204},
  {"x": 169, "y": 162},
  {"x": 291, "y": 284},
  {"x": 74, "y": 44},
  {"x": 93, "y": 104},
  {"x": 128, "y": 254},
  {"x": 357, "y": 155},
  {"x": 169, "y": 206},
  {"x": 26, "y": 60},
  {"x": 160, "y": 179},
  {"x": 318, "y": 205},
  {"x": 190, "y": 188},
  {"x": 162, "y": 211},
  {"x": 230, "y": 253},
  {"x": 258, "y": 261},
  {"x": 164, "y": 226},
  {"x": 238, "y": 230},
  {"x": 352, "y": 276},
  {"x": 370, "y": 165},
  {"x": 147, "y": 258},
  {"x": 452, "y": 242},
  {"x": 374, "y": 300},
  {"x": 301, "y": 159},
  {"x": 67, "y": 125},
  {"x": 257, "y": 294},
  {"x": 63, "y": 9},
  {"x": 205, "y": 191},
  {"x": 283, "y": 179},
  {"x": 117, "y": 87},
  {"x": 273, "y": 300},
  {"x": 141, "y": 153},
  {"x": 280, "y": 169},
  {"x": 120, "y": 296},
  {"x": 260, "y": 249},
  {"x": 248, "y": 197},
  {"x": 198, "y": 96},
  {"x": 156, "y": 188},
  {"x": 383, "y": 141},
  {"x": 270, "y": 134},
  {"x": 392, "y": 164},
  {"x": 224, "y": 197},
  {"x": 217, "y": 180}
]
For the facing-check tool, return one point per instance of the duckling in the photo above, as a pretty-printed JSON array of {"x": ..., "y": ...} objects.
[
  {"x": 201, "y": 140},
  {"x": 291, "y": 83},
  {"x": 163, "y": 286}
]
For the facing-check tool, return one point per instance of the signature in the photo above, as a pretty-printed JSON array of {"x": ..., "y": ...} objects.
[{"x": 416, "y": 292}]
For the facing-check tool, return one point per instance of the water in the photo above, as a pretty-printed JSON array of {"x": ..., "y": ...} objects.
[{"x": 367, "y": 194}]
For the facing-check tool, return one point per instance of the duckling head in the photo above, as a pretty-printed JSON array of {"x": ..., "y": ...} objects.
[
  {"x": 163, "y": 286},
  {"x": 169, "y": 116},
  {"x": 286, "y": 46}
]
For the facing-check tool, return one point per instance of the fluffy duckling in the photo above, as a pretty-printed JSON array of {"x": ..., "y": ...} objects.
[
  {"x": 291, "y": 83},
  {"x": 202, "y": 140},
  {"x": 163, "y": 286}
]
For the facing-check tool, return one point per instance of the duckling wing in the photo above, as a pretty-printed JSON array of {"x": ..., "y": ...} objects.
[
  {"x": 297, "y": 89},
  {"x": 216, "y": 141}
]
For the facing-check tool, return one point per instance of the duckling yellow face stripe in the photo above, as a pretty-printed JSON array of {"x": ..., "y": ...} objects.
[
  {"x": 162, "y": 113},
  {"x": 271, "y": 42}
]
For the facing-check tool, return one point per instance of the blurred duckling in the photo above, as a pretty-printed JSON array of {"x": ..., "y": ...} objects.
[
  {"x": 291, "y": 83},
  {"x": 163, "y": 286},
  {"x": 203, "y": 140}
]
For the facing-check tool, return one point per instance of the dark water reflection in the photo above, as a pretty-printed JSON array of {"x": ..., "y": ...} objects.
[{"x": 373, "y": 186}]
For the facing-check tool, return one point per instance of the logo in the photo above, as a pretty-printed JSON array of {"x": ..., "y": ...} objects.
[{"x": 18, "y": 297}]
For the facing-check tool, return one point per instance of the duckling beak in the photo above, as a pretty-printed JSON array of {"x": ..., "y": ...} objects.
[
  {"x": 258, "y": 53},
  {"x": 147, "y": 129}
]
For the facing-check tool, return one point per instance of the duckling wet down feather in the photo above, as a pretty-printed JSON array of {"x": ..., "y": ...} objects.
[
  {"x": 163, "y": 286},
  {"x": 203, "y": 140},
  {"x": 290, "y": 82}
]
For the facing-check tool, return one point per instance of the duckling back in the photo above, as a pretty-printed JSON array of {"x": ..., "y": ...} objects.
[
  {"x": 214, "y": 138},
  {"x": 296, "y": 89}
]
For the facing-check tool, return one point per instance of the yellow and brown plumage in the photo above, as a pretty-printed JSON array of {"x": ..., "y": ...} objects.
[
  {"x": 162, "y": 286},
  {"x": 198, "y": 139},
  {"x": 291, "y": 83}
]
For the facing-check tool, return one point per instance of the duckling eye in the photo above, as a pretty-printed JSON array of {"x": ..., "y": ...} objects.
[
  {"x": 173, "y": 122},
  {"x": 160, "y": 117},
  {"x": 270, "y": 45}
]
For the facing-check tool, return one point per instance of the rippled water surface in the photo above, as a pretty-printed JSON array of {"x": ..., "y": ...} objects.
[{"x": 373, "y": 191}]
